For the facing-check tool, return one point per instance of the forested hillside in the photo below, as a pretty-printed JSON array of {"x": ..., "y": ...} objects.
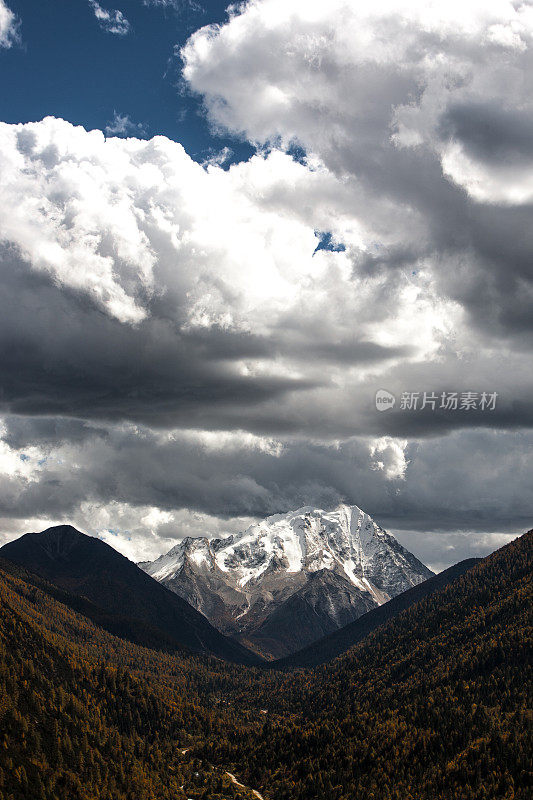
[
  {"x": 130, "y": 603},
  {"x": 433, "y": 705},
  {"x": 86, "y": 715},
  {"x": 338, "y": 642},
  {"x": 436, "y": 704}
]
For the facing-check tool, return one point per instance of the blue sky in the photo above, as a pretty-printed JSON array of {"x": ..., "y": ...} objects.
[{"x": 68, "y": 65}]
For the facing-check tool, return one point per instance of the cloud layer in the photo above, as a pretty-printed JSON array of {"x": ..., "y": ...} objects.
[
  {"x": 8, "y": 26},
  {"x": 180, "y": 356},
  {"x": 422, "y": 110}
]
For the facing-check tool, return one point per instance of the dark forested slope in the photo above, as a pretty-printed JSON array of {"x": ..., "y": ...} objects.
[
  {"x": 433, "y": 705},
  {"x": 87, "y": 716},
  {"x": 88, "y": 567},
  {"x": 340, "y": 641}
]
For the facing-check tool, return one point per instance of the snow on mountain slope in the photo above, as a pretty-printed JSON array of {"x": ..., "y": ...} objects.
[
  {"x": 198, "y": 550},
  {"x": 240, "y": 581}
]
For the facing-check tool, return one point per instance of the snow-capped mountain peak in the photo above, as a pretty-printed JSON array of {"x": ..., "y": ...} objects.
[
  {"x": 310, "y": 539},
  {"x": 253, "y": 573},
  {"x": 197, "y": 550}
]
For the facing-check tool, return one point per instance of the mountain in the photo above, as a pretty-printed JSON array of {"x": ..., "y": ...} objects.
[
  {"x": 338, "y": 642},
  {"x": 292, "y": 578},
  {"x": 435, "y": 704},
  {"x": 123, "y": 596},
  {"x": 85, "y": 715}
]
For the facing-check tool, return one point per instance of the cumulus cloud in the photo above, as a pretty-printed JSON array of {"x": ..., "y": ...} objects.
[
  {"x": 8, "y": 26},
  {"x": 421, "y": 109},
  {"x": 110, "y": 21},
  {"x": 205, "y": 281},
  {"x": 183, "y": 356}
]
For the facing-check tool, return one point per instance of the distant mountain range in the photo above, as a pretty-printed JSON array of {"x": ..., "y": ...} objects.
[
  {"x": 299, "y": 574},
  {"x": 291, "y": 579}
]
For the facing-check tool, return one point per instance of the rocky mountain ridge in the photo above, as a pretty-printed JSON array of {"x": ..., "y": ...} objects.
[{"x": 290, "y": 578}]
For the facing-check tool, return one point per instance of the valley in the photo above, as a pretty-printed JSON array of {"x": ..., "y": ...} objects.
[{"x": 433, "y": 703}]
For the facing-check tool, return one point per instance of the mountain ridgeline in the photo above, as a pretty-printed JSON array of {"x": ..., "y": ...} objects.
[
  {"x": 338, "y": 642},
  {"x": 125, "y": 600},
  {"x": 291, "y": 579},
  {"x": 434, "y": 703}
]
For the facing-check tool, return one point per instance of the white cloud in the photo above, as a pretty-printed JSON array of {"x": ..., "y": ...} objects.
[
  {"x": 417, "y": 108},
  {"x": 344, "y": 73},
  {"x": 111, "y": 21},
  {"x": 122, "y": 220},
  {"x": 504, "y": 183},
  {"x": 388, "y": 456},
  {"x": 55, "y": 214},
  {"x": 122, "y": 125},
  {"x": 278, "y": 61},
  {"x": 8, "y": 26}
]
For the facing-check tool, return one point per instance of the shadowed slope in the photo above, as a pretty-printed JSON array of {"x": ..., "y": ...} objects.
[
  {"x": 433, "y": 705},
  {"x": 341, "y": 640},
  {"x": 88, "y": 567}
]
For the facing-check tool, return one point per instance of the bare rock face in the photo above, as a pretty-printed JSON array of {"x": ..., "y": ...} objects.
[{"x": 292, "y": 578}]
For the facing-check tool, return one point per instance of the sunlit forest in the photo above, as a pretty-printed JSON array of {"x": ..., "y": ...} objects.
[{"x": 434, "y": 704}]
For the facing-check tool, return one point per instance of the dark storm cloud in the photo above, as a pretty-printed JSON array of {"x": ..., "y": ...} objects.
[
  {"x": 47, "y": 432},
  {"x": 353, "y": 352},
  {"x": 451, "y": 483},
  {"x": 386, "y": 260},
  {"x": 477, "y": 374},
  {"x": 483, "y": 254},
  {"x": 499, "y": 291},
  {"x": 490, "y": 133},
  {"x": 62, "y": 355}
]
